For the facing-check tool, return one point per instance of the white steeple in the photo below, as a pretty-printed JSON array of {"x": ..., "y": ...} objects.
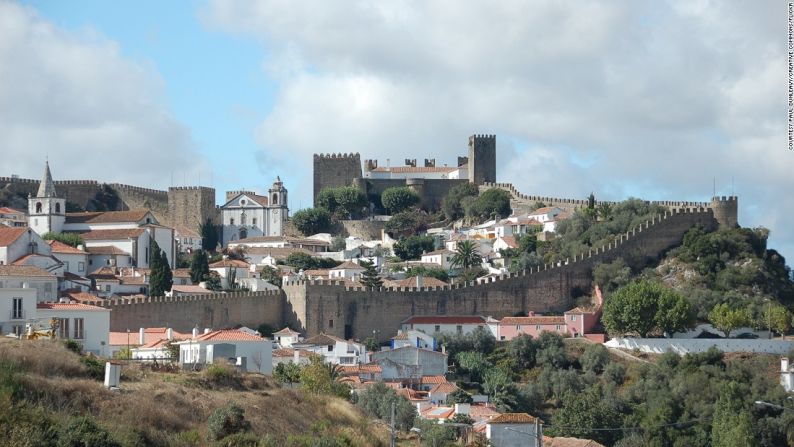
[
  {"x": 47, "y": 211},
  {"x": 277, "y": 208}
]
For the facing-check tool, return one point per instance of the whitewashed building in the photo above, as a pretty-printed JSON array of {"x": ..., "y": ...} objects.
[
  {"x": 86, "y": 324},
  {"x": 512, "y": 429},
  {"x": 450, "y": 324},
  {"x": 20, "y": 241},
  {"x": 246, "y": 214},
  {"x": 334, "y": 349},
  {"x": 442, "y": 257},
  {"x": 252, "y": 353},
  {"x": 25, "y": 276},
  {"x": 17, "y": 306}
]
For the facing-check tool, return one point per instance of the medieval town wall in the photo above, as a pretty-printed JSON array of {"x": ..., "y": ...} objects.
[{"x": 335, "y": 170}]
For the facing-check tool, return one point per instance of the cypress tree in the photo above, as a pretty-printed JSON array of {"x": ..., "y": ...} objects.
[
  {"x": 199, "y": 267},
  {"x": 160, "y": 279}
]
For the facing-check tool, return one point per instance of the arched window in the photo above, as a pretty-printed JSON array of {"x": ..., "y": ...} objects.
[
  {"x": 243, "y": 233},
  {"x": 57, "y": 207},
  {"x": 38, "y": 207},
  {"x": 275, "y": 199},
  {"x": 242, "y": 219}
]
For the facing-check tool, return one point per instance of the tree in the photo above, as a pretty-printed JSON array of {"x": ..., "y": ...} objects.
[
  {"x": 338, "y": 243},
  {"x": 72, "y": 239},
  {"x": 301, "y": 261},
  {"x": 466, "y": 255},
  {"x": 452, "y": 206},
  {"x": 551, "y": 350},
  {"x": 287, "y": 373},
  {"x": 674, "y": 313},
  {"x": 493, "y": 202},
  {"x": 582, "y": 414},
  {"x": 106, "y": 199},
  {"x": 726, "y": 319},
  {"x": 633, "y": 308},
  {"x": 459, "y": 397},
  {"x": 776, "y": 318},
  {"x": 312, "y": 221},
  {"x": 209, "y": 236},
  {"x": 595, "y": 358},
  {"x": 199, "y": 266},
  {"x": 213, "y": 281},
  {"x": 474, "y": 363},
  {"x": 430, "y": 272},
  {"x": 611, "y": 276},
  {"x": 523, "y": 349},
  {"x": 732, "y": 425},
  {"x": 369, "y": 277},
  {"x": 407, "y": 223},
  {"x": 271, "y": 275},
  {"x": 413, "y": 247},
  {"x": 83, "y": 431},
  {"x": 160, "y": 279},
  {"x": 326, "y": 200},
  {"x": 377, "y": 400},
  {"x": 399, "y": 199},
  {"x": 499, "y": 386},
  {"x": 318, "y": 377},
  {"x": 351, "y": 200}
]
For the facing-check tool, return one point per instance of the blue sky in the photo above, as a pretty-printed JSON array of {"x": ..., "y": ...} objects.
[{"x": 619, "y": 98}]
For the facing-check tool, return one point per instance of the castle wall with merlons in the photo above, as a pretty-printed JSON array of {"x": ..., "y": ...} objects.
[
  {"x": 335, "y": 170},
  {"x": 183, "y": 313}
]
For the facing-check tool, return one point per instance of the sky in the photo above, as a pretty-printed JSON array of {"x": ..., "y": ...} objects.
[{"x": 668, "y": 100}]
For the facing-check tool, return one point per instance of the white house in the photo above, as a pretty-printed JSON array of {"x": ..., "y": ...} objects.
[
  {"x": 347, "y": 270},
  {"x": 786, "y": 375},
  {"x": 17, "y": 306},
  {"x": 334, "y": 349},
  {"x": 410, "y": 362},
  {"x": 246, "y": 214},
  {"x": 74, "y": 259},
  {"x": 451, "y": 324},
  {"x": 143, "y": 336},
  {"x": 86, "y": 324},
  {"x": 187, "y": 240},
  {"x": 512, "y": 429},
  {"x": 18, "y": 242},
  {"x": 414, "y": 338},
  {"x": 545, "y": 214},
  {"x": 286, "y": 337},
  {"x": 442, "y": 257},
  {"x": 255, "y": 353},
  {"x": 108, "y": 256},
  {"x": 311, "y": 244},
  {"x": 25, "y": 276},
  {"x": 231, "y": 271},
  {"x": 10, "y": 217}
]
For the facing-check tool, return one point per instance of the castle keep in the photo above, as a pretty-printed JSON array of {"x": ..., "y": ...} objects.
[{"x": 430, "y": 181}]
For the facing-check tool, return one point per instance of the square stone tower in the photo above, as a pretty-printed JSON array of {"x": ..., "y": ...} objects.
[{"x": 482, "y": 159}]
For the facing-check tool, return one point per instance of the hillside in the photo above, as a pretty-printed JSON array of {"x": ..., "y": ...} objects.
[{"x": 46, "y": 391}]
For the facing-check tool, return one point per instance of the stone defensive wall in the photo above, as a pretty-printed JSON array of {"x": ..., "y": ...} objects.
[
  {"x": 334, "y": 170},
  {"x": 331, "y": 307},
  {"x": 79, "y": 192},
  {"x": 431, "y": 191},
  {"x": 135, "y": 197},
  {"x": 183, "y": 313},
  {"x": 522, "y": 201},
  {"x": 191, "y": 206}
]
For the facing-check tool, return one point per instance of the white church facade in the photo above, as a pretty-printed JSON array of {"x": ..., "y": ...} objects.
[{"x": 246, "y": 214}]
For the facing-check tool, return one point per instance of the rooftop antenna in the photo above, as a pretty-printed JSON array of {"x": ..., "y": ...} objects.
[
  {"x": 733, "y": 193},
  {"x": 172, "y": 177},
  {"x": 714, "y": 187}
]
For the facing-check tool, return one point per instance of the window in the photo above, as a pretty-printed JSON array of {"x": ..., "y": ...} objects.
[
  {"x": 438, "y": 328},
  {"x": 537, "y": 328},
  {"x": 63, "y": 328},
  {"x": 90, "y": 262},
  {"x": 330, "y": 348},
  {"x": 16, "y": 310},
  {"x": 78, "y": 329},
  {"x": 573, "y": 317},
  {"x": 107, "y": 287},
  {"x": 38, "y": 207},
  {"x": 253, "y": 221},
  {"x": 242, "y": 219},
  {"x": 57, "y": 207},
  {"x": 107, "y": 261},
  {"x": 275, "y": 199},
  {"x": 231, "y": 221},
  {"x": 459, "y": 329},
  {"x": 146, "y": 254},
  {"x": 81, "y": 266},
  {"x": 518, "y": 327},
  {"x": 331, "y": 323},
  {"x": 18, "y": 329},
  {"x": 66, "y": 266},
  {"x": 558, "y": 327}
]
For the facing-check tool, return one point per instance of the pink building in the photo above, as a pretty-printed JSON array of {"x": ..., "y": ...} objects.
[{"x": 576, "y": 322}]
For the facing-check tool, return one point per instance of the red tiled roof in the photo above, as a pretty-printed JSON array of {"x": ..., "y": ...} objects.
[
  {"x": 82, "y": 297},
  {"x": 109, "y": 235},
  {"x": 429, "y": 380},
  {"x": 369, "y": 368},
  {"x": 440, "y": 252},
  {"x": 69, "y": 306},
  {"x": 60, "y": 247},
  {"x": 445, "y": 319},
  {"x": 510, "y": 241},
  {"x": 445, "y": 387},
  {"x": 317, "y": 272},
  {"x": 229, "y": 335},
  {"x": 479, "y": 412},
  {"x": 24, "y": 259},
  {"x": 322, "y": 339},
  {"x": 533, "y": 320},
  {"x": 569, "y": 442},
  {"x": 513, "y": 418},
  {"x": 438, "y": 412},
  {"x": 184, "y": 231},
  {"x": 180, "y": 273},
  {"x": 107, "y": 216},
  {"x": 24, "y": 270},
  {"x": 106, "y": 250},
  {"x": 7, "y": 210},
  {"x": 286, "y": 331},
  {"x": 8, "y": 235},
  {"x": 348, "y": 265},
  {"x": 230, "y": 263},
  {"x": 288, "y": 352}
]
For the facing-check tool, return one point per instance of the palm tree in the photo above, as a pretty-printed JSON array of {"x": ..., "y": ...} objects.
[{"x": 466, "y": 255}]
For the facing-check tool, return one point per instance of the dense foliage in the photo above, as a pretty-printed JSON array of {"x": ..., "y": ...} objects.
[
  {"x": 399, "y": 199},
  {"x": 369, "y": 277},
  {"x": 344, "y": 202},
  {"x": 106, "y": 199},
  {"x": 312, "y": 221},
  {"x": 490, "y": 204},
  {"x": 644, "y": 307},
  {"x": 431, "y": 272},
  {"x": 378, "y": 399},
  {"x": 412, "y": 247},
  {"x": 161, "y": 278},
  {"x": 407, "y": 223},
  {"x": 209, "y": 235},
  {"x": 199, "y": 267},
  {"x": 72, "y": 239},
  {"x": 453, "y": 205},
  {"x": 226, "y": 421},
  {"x": 305, "y": 261}
]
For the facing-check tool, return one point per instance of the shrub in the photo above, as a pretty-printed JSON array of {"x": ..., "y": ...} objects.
[
  {"x": 73, "y": 346},
  {"x": 221, "y": 373},
  {"x": 413, "y": 247},
  {"x": 95, "y": 367},
  {"x": 312, "y": 221},
  {"x": 72, "y": 239},
  {"x": 407, "y": 223},
  {"x": 82, "y": 431},
  {"x": 595, "y": 358},
  {"x": 398, "y": 199},
  {"x": 377, "y": 401},
  {"x": 453, "y": 207},
  {"x": 493, "y": 202},
  {"x": 226, "y": 421}
]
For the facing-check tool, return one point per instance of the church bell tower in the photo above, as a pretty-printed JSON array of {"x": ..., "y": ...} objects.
[{"x": 47, "y": 211}]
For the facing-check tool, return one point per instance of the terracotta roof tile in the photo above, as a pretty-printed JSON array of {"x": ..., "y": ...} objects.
[
  {"x": 286, "y": 331},
  {"x": 429, "y": 380},
  {"x": 24, "y": 270},
  {"x": 569, "y": 442},
  {"x": 230, "y": 263},
  {"x": 441, "y": 251},
  {"x": 445, "y": 387},
  {"x": 69, "y": 306},
  {"x": 60, "y": 247},
  {"x": 551, "y": 320},
  {"x": 445, "y": 319},
  {"x": 105, "y": 250},
  {"x": 513, "y": 418},
  {"x": 348, "y": 265},
  {"x": 107, "y": 216},
  {"x": 109, "y": 235},
  {"x": 229, "y": 335},
  {"x": 288, "y": 352},
  {"x": 8, "y": 235}
]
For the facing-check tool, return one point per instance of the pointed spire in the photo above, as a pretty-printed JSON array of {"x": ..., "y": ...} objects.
[{"x": 47, "y": 186}]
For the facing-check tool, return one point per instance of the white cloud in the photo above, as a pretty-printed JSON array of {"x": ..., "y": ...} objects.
[
  {"x": 74, "y": 97},
  {"x": 656, "y": 98}
]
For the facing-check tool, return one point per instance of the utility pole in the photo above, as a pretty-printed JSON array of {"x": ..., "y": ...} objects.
[{"x": 392, "y": 424}]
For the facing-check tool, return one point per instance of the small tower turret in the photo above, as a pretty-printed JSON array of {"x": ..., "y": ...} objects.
[{"x": 47, "y": 211}]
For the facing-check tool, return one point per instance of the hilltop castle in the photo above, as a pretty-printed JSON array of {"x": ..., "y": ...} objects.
[{"x": 431, "y": 181}]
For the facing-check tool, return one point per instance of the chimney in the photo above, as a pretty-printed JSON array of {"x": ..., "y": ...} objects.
[
  {"x": 81, "y": 247},
  {"x": 296, "y": 356},
  {"x": 462, "y": 408},
  {"x": 207, "y": 330},
  {"x": 141, "y": 336},
  {"x": 443, "y": 349},
  {"x": 784, "y": 364},
  {"x": 169, "y": 334},
  {"x": 420, "y": 281},
  {"x": 195, "y": 331}
]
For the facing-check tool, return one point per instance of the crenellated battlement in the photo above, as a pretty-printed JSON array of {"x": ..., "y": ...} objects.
[
  {"x": 724, "y": 199},
  {"x": 192, "y": 188},
  {"x": 335, "y": 156},
  {"x": 139, "y": 190}
]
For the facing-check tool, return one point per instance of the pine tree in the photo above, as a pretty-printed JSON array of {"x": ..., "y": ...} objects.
[
  {"x": 370, "y": 278},
  {"x": 209, "y": 236},
  {"x": 160, "y": 279},
  {"x": 199, "y": 267}
]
